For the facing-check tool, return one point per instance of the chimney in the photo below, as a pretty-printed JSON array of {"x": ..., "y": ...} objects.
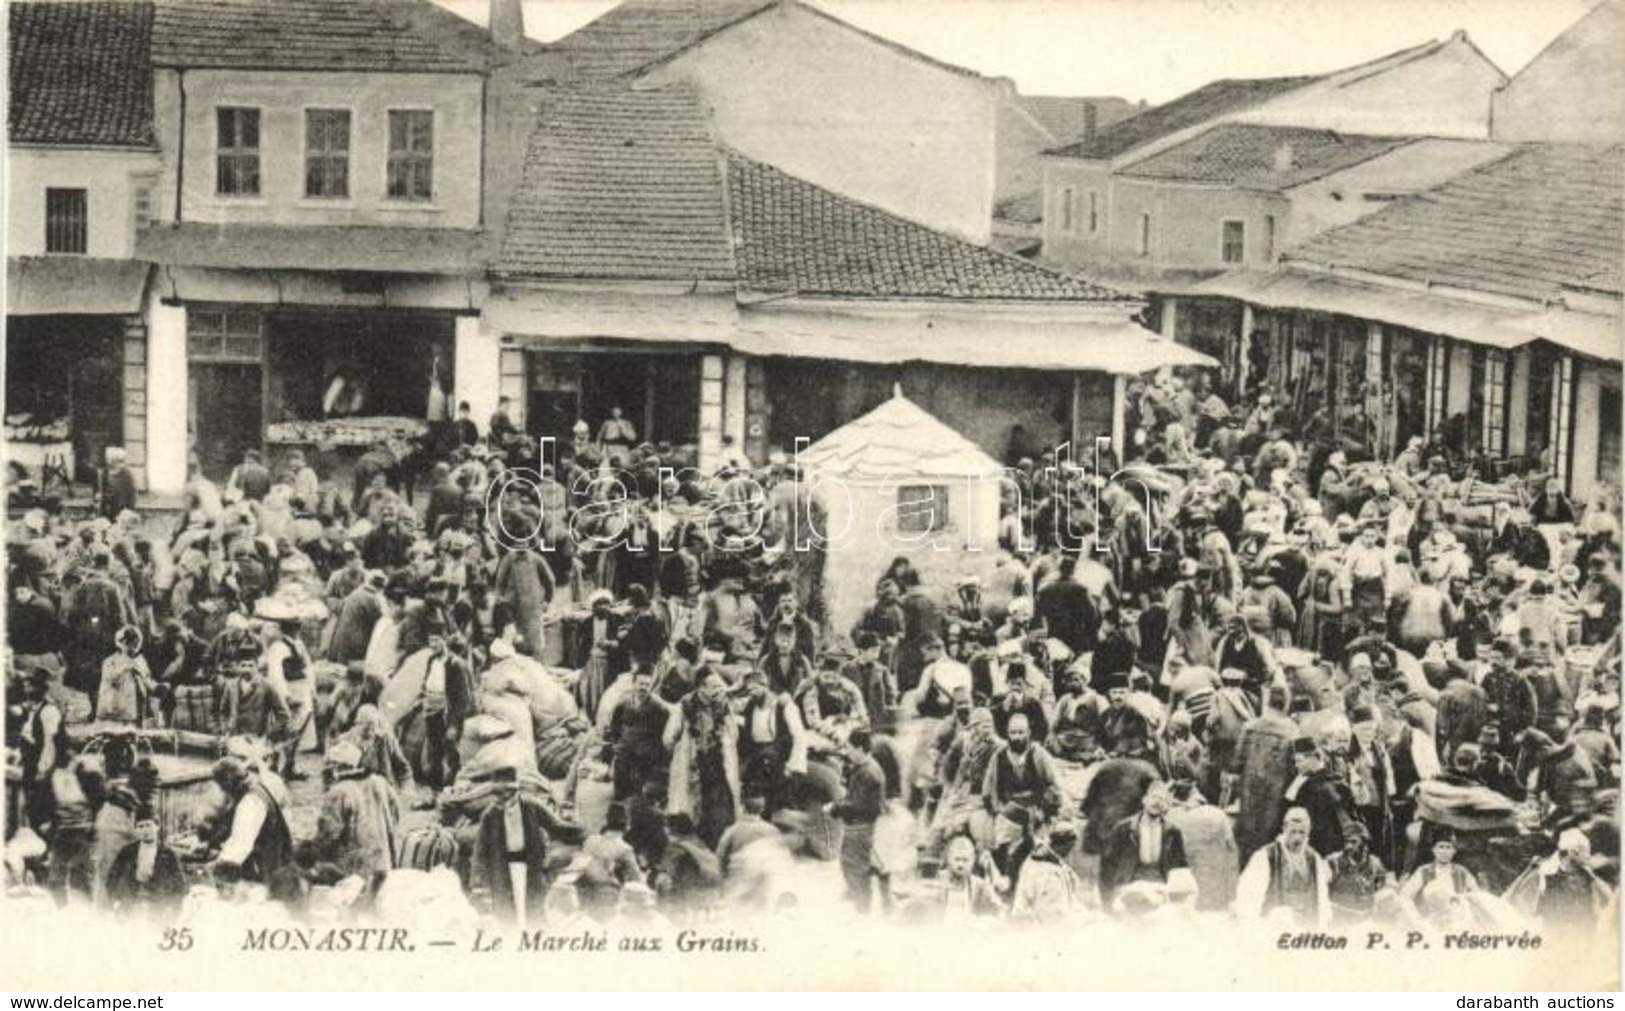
[
  {"x": 1285, "y": 158},
  {"x": 507, "y": 24},
  {"x": 1091, "y": 122}
]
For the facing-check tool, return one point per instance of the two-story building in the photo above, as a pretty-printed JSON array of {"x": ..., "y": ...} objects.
[
  {"x": 1484, "y": 314},
  {"x": 1140, "y": 201},
  {"x": 708, "y": 295},
  {"x": 83, "y": 166},
  {"x": 318, "y": 230}
]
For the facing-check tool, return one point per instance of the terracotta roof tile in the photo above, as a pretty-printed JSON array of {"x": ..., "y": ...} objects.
[
  {"x": 1543, "y": 219},
  {"x": 1205, "y": 103},
  {"x": 619, "y": 183},
  {"x": 1260, "y": 157},
  {"x": 309, "y": 35},
  {"x": 634, "y": 34},
  {"x": 80, "y": 73},
  {"x": 793, "y": 236}
]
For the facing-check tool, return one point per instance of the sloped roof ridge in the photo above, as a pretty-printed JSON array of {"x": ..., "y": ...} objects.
[{"x": 893, "y": 219}]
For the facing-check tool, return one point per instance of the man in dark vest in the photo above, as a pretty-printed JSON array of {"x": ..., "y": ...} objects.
[
  {"x": 258, "y": 846},
  {"x": 1287, "y": 880},
  {"x": 772, "y": 742}
]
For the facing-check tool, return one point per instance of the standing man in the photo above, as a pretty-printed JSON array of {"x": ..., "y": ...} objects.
[
  {"x": 865, "y": 802},
  {"x": 1142, "y": 847},
  {"x": 1319, "y": 792},
  {"x": 118, "y": 485},
  {"x": 446, "y": 697},
  {"x": 501, "y": 428},
  {"x": 468, "y": 433},
  {"x": 1287, "y": 878},
  {"x": 636, "y": 733}
]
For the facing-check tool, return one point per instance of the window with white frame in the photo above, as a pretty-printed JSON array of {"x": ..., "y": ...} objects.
[
  {"x": 1145, "y": 234},
  {"x": 1233, "y": 242},
  {"x": 327, "y": 153},
  {"x": 224, "y": 335},
  {"x": 1068, "y": 210},
  {"x": 1094, "y": 212},
  {"x": 237, "y": 152},
  {"x": 411, "y": 155},
  {"x": 922, "y": 508},
  {"x": 1269, "y": 238},
  {"x": 67, "y": 220}
]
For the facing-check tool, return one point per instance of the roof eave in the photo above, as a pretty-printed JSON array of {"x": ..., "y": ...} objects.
[{"x": 96, "y": 146}]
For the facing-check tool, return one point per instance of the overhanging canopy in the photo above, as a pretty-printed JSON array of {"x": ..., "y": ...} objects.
[
  {"x": 74, "y": 286},
  {"x": 1414, "y": 309},
  {"x": 1583, "y": 332},
  {"x": 1114, "y": 346},
  {"x": 538, "y": 317}
]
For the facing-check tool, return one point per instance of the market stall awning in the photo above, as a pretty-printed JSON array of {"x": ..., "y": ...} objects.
[
  {"x": 1120, "y": 346},
  {"x": 1586, "y": 333},
  {"x": 74, "y": 286},
  {"x": 542, "y": 316},
  {"x": 1417, "y": 310}
]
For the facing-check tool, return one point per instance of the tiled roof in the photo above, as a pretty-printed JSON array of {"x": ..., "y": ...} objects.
[
  {"x": 636, "y": 33},
  {"x": 80, "y": 74},
  {"x": 309, "y": 35},
  {"x": 1542, "y": 219},
  {"x": 793, "y": 236},
  {"x": 619, "y": 183},
  {"x": 1205, "y": 103},
  {"x": 370, "y": 248},
  {"x": 1066, "y": 118},
  {"x": 1261, "y": 157}
]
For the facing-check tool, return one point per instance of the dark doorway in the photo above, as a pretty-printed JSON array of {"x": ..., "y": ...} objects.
[
  {"x": 226, "y": 414},
  {"x": 552, "y": 413},
  {"x": 67, "y": 372}
]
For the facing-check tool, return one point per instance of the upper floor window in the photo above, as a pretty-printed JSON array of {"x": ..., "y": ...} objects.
[
  {"x": 1094, "y": 212},
  {"x": 411, "y": 154},
  {"x": 237, "y": 152},
  {"x": 66, "y": 220},
  {"x": 1145, "y": 234},
  {"x": 1233, "y": 244},
  {"x": 327, "y": 153},
  {"x": 1269, "y": 238},
  {"x": 1068, "y": 216}
]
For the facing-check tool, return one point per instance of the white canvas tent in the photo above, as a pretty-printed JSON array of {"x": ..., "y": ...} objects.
[{"x": 899, "y": 482}]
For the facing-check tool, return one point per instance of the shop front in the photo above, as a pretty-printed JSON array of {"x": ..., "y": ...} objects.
[
  {"x": 75, "y": 342},
  {"x": 335, "y": 381},
  {"x": 655, "y": 390},
  {"x": 1007, "y": 413}
]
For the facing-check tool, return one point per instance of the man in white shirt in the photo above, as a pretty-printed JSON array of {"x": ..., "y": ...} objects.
[
  {"x": 384, "y": 645},
  {"x": 1286, "y": 878},
  {"x": 288, "y": 673},
  {"x": 939, "y": 679},
  {"x": 260, "y": 843}
]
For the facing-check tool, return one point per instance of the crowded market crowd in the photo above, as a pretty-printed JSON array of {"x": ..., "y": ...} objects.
[{"x": 1260, "y": 671}]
